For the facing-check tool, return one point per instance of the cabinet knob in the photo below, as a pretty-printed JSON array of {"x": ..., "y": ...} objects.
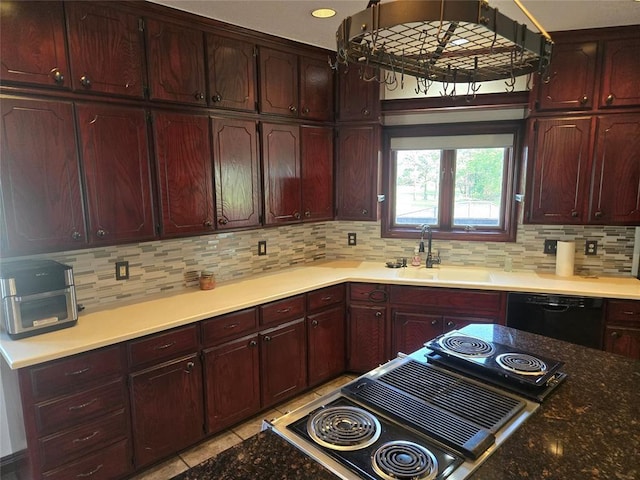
[
  {"x": 314, "y": 323},
  {"x": 366, "y": 112},
  {"x": 101, "y": 233},
  {"x": 434, "y": 322},
  {"x": 583, "y": 100},
  {"x": 293, "y": 108},
  {"x": 305, "y": 110},
  {"x": 57, "y": 76},
  {"x": 574, "y": 214},
  {"x": 76, "y": 235},
  {"x": 199, "y": 96},
  {"x": 615, "y": 334},
  {"x": 296, "y": 215},
  {"x": 307, "y": 213},
  {"x": 378, "y": 314},
  {"x": 451, "y": 324},
  {"x": 85, "y": 81},
  {"x": 253, "y": 344},
  {"x": 267, "y": 338},
  {"x": 610, "y": 99},
  {"x": 365, "y": 211},
  {"x": 598, "y": 214},
  {"x": 190, "y": 366},
  {"x": 207, "y": 223},
  {"x": 216, "y": 98},
  {"x": 223, "y": 221}
]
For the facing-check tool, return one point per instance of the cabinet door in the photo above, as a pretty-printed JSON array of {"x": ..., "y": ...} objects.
[
  {"x": 281, "y": 164},
  {"x": 412, "y": 328},
  {"x": 232, "y": 73},
  {"x": 317, "y": 172},
  {"x": 166, "y": 409},
  {"x": 106, "y": 49},
  {"x": 115, "y": 156},
  {"x": 32, "y": 43},
  {"x": 572, "y": 78},
  {"x": 283, "y": 362},
  {"x": 176, "y": 63},
  {"x": 616, "y": 183},
  {"x": 620, "y": 72},
  {"x": 41, "y": 197},
  {"x": 357, "y": 173},
  {"x": 316, "y": 89},
  {"x": 232, "y": 382},
  {"x": 185, "y": 179},
  {"x": 623, "y": 341},
  {"x": 237, "y": 173},
  {"x": 560, "y": 173},
  {"x": 366, "y": 338},
  {"x": 326, "y": 344},
  {"x": 357, "y": 98},
  {"x": 278, "y": 82}
]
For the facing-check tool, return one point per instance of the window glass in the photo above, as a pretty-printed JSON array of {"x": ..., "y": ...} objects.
[{"x": 417, "y": 186}]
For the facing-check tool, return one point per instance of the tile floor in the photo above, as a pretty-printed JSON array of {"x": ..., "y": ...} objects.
[{"x": 228, "y": 438}]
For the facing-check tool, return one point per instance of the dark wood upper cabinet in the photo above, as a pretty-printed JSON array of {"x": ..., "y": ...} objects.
[
  {"x": 232, "y": 72},
  {"x": 278, "y": 82},
  {"x": 561, "y": 164},
  {"x": 115, "y": 156},
  {"x": 106, "y": 47},
  {"x": 620, "y": 72},
  {"x": 183, "y": 167},
  {"x": 32, "y": 44},
  {"x": 357, "y": 172},
  {"x": 176, "y": 63},
  {"x": 571, "y": 81},
  {"x": 358, "y": 100},
  {"x": 41, "y": 195},
  {"x": 237, "y": 173},
  {"x": 616, "y": 183},
  {"x": 316, "y": 88},
  {"x": 281, "y": 164},
  {"x": 317, "y": 172}
]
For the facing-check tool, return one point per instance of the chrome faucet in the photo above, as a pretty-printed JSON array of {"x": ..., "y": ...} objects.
[{"x": 431, "y": 260}]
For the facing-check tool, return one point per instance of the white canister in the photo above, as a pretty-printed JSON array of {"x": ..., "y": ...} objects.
[{"x": 565, "y": 258}]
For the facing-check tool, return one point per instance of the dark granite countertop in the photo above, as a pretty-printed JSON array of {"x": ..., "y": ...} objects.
[{"x": 588, "y": 429}]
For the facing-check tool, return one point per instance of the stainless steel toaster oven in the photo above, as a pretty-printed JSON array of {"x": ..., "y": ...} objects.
[{"x": 37, "y": 296}]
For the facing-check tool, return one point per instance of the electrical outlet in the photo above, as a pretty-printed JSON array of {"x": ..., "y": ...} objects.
[
  {"x": 262, "y": 247},
  {"x": 351, "y": 239},
  {"x": 550, "y": 246},
  {"x": 122, "y": 270},
  {"x": 591, "y": 247}
]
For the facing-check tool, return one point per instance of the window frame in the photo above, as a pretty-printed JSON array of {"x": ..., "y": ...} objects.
[{"x": 446, "y": 230}]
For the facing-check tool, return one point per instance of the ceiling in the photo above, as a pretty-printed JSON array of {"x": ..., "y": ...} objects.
[{"x": 292, "y": 18}]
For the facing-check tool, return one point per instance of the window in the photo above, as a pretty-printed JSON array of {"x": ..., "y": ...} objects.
[{"x": 458, "y": 178}]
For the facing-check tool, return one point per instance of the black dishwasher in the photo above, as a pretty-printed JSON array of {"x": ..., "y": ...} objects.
[{"x": 572, "y": 319}]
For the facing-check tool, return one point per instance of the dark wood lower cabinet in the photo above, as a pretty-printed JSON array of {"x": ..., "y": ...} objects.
[
  {"x": 623, "y": 341},
  {"x": 326, "y": 344},
  {"x": 167, "y": 408},
  {"x": 232, "y": 382},
  {"x": 367, "y": 337}
]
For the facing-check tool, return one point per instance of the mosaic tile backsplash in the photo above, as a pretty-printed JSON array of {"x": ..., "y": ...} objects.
[{"x": 164, "y": 266}]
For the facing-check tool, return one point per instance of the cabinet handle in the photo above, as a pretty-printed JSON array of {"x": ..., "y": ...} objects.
[
  {"x": 91, "y": 473},
  {"x": 253, "y": 344},
  {"x": 216, "y": 98},
  {"x": 365, "y": 211},
  {"x": 366, "y": 112},
  {"x": 190, "y": 367},
  {"x": 231, "y": 326},
  {"x": 328, "y": 298},
  {"x": 57, "y": 76},
  {"x": 164, "y": 346},
  {"x": 88, "y": 437},
  {"x": 628, "y": 313},
  {"x": 101, "y": 233},
  {"x": 598, "y": 214},
  {"x": 267, "y": 338},
  {"x": 199, "y": 96},
  {"x": 615, "y": 334},
  {"x": 610, "y": 99},
  {"x": 207, "y": 223},
  {"x": 296, "y": 215},
  {"x": 82, "y": 405},
  {"x": 307, "y": 213},
  {"x": 293, "y": 108},
  {"x": 574, "y": 214},
  {"x": 314, "y": 323},
  {"x": 76, "y": 235},
  {"x": 305, "y": 110},
  {"x": 378, "y": 296},
  {"x": 583, "y": 100},
  {"x": 284, "y": 310},
  {"x": 378, "y": 314},
  {"x": 223, "y": 221},
  {"x": 77, "y": 372}
]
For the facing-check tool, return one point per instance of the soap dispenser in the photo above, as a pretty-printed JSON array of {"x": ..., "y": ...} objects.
[{"x": 417, "y": 260}]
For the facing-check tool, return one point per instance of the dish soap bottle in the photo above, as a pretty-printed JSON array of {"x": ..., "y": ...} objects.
[{"x": 416, "y": 261}]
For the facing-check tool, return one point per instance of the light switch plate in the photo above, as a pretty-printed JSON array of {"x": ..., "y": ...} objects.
[
  {"x": 122, "y": 270},
  {"x": 262, "y": 248}
]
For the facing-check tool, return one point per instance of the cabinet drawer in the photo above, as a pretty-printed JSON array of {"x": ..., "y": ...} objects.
[
  {"x": 325, "y": 297},
  {"x": 282, "y": 310},
  {"x": 368, "y": 292},
  {"x": 109, "y": 463},
  {"x": 70, "y": 410},
  {"x": 227, "y": 326},
  {"x": 62, "y": 447},
  {"x": 163, "y": 346},
  {"x": 75, "y": 372},
  {"x": 448, "y": 299},
  {"x": 623, "y": 311}
]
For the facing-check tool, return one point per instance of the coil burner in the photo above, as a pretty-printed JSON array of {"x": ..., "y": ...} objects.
[
  {"x": 522, "y": 364},
  {"x": 467, "y": 346},
  {"x": 343, "y": 428},
  {"x": 401, "y": 460}
]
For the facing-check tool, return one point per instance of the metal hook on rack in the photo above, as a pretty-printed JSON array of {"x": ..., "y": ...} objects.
[
  {"x": 473, "y": 85},
  {"x": 511, "y": 83}
]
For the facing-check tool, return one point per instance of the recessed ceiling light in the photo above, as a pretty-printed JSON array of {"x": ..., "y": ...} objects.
[{"x": 323, "y": 12}]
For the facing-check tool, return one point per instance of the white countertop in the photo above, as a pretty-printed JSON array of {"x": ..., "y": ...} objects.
[{"x": 99, "y": 327}]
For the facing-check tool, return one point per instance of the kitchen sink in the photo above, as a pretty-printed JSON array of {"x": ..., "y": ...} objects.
[{"x": 446, "y": 274}]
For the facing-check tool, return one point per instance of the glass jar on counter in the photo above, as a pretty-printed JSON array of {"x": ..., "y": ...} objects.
[{"x": 207, "y": 280}]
